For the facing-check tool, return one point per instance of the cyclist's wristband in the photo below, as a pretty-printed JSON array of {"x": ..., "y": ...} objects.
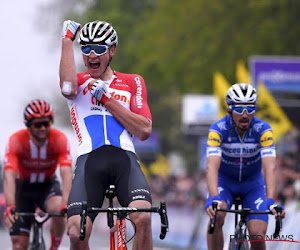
[
  {"x": 216, "y": 198},
  {"x": 271, "y": 204},
  {"x": 63, "y": 209},
  {"x": 9, "y": 210}
]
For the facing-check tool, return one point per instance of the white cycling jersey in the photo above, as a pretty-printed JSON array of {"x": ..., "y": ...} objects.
[{"x": 93, "y": 124}]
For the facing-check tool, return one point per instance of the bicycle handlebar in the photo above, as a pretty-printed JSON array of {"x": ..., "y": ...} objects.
[
  {"x": 245, "y": 212},
  {"x": 161, "y": 210},
  {"x": 213, "y": 220},
  {"x": 163, "y": 220},
  {"x": 278, "y": 222},
  {"x": 42, "y": 215}
]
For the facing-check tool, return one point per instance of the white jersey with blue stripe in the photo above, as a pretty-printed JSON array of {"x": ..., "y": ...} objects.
[
  {"x": 240, "y": 157},
  {"x": 93, "y": 124}
]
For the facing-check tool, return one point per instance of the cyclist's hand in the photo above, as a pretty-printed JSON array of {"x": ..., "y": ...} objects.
[
  {"x": 70, "y": 29},
  {"x": 209, "y": 208},
  {"x": 271, "y": 206},
  {"x": 9, "y": 216},
  {"x": 100, "y": 91},
  {"x": 63, "y": 210}
]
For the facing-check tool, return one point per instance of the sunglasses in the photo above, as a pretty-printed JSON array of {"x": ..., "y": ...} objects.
[
  {"x": 97, "y": 49},
  {"x": 239, "y": 109},
  {"x": 41, "y": 124}
]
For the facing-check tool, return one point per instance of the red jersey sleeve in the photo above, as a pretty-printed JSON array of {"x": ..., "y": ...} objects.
[
  {"x": 11, "y": 153},
  {"x": 64, "y": 158},
  {"x": 138, "y": 102},
  {"x": 82, "y": 78}
]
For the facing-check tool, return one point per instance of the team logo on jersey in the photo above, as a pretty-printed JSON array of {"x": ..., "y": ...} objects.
[
  {"x": 214, "y": 139},
  {"x": 257, "y": 126},
  {"x": 138, "y": 97},
  {"x": 222, "y": 125},
  {"x": 75, "y": 124},
  {"x": 267, "y": 139}
]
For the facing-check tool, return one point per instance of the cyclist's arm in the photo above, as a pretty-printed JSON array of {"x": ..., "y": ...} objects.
[
  {"x": 66, "y": 176},
  {"x": 269, "y": 172},
  {"x": 212, "y": 168},
  {"x": 10, "y": 187},
  {"x": 136, "y": 124},
  {"x": 67, "y": 68},
  {"x": 268, "y": 169}
]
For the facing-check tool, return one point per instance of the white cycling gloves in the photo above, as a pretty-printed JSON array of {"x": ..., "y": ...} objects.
[
  {"x": 100, "y": 91},
  {"x": 70, "y": 29}
]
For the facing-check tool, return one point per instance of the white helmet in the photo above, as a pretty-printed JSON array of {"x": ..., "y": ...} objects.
[
  {"x": 241, "y": 93},
  {"x": 98, "y": 32}
]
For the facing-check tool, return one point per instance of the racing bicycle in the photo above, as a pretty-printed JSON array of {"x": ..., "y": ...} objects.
[
  {"x": 240, "y": 240},
  {"x": 118, "y": 228},
  {"x": 37, "y": 241}
]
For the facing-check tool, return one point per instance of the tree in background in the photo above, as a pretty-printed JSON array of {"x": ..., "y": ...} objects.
[{"x": 178, "y": 46}]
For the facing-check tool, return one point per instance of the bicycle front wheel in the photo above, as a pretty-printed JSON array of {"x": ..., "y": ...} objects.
[
  {"x": 37, "y": 243},
  {"x": 239, "y": 243}
]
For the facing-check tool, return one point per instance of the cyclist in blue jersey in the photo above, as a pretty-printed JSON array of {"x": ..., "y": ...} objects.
[{"x": 241, "y": 162}]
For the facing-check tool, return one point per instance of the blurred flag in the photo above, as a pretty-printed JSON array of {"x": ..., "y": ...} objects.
[
  {"x": 242, "y": 74},
  {"x": 267, "y": 107},
  {"x": 220, "y": 90}
]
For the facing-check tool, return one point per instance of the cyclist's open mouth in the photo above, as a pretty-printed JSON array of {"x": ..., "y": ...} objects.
[
  {"x": 94, "y": 65},
  {"x": 244, "y": 123}
]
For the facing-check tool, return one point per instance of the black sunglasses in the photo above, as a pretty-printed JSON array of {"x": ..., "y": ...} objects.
[{"x": 41, "y": 124}]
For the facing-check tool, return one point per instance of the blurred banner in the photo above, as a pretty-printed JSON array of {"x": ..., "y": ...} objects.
[
  {"x": 267, "y": 107},
  {"x": 198, "y": 112},
  {"x": 278, "y": 73}
]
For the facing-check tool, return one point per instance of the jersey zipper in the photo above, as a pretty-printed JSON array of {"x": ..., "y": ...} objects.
[
  {"x": 241, "y": 163},
  {"x": 241, "y": 156}
]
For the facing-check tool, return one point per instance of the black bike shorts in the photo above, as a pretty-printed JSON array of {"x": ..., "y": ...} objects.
[
  {"x": 29, "y": 196},
  {"x": 107, "y": 165}
]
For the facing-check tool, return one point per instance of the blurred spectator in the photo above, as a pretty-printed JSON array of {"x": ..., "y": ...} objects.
[{"x": 288, "y": 166}]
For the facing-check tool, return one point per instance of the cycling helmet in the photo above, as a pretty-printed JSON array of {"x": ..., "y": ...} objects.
[
  {"x": 98, "y": 32},
  {"x": 37, "y": 109},
  {"x": 241, "y": 93}
]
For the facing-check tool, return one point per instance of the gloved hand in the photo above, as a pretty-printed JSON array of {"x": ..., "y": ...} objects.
[
  {"x": 63, "y": 209},
  {"x": 70, "y": 29},
  {"x": 208, "y": 207},
  {"x": 271, "y": 206},
  {"x": 100, "y": 91},
  {"x": 9, "y": 216}
]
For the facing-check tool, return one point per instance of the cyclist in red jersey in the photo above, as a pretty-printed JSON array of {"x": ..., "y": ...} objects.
[
  {"x": 107, "y": 109},
  {"x": 31, "y": 159}
]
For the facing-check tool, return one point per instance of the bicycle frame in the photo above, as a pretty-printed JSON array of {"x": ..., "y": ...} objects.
[{"x": 120, "y": 230}]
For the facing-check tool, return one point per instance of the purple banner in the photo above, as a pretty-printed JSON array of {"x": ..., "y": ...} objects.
[{"x": 277, "y": 73}]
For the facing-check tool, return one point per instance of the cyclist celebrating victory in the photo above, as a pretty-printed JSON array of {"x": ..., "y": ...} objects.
[
  {"x": 107, "y": 109},
  {"x": 32, "y": 157},
  {"x": 241, "y": 162}
]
